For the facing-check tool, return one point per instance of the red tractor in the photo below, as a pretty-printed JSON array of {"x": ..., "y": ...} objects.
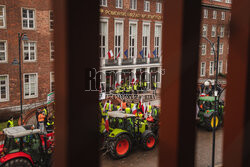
[{"x": 24, "y": 146}]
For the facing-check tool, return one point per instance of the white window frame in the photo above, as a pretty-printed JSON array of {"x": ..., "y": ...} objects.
[
  {"x": 146, "y": 6},
  {"x": 3, "y": 17},
  {"x": 120, "y": 21},
  {"x": 118, "y": 3},
  {"x": 228, "y": 1},
  {"x": 52, "y": 80},
  {"x": 213, "y": 31},
  {"x": 36, "y": 86},
  {"x": 205, "y": 13},
  {"x": 204, "y": 27},
  {"x": 133, "y": 4},
  {"x": 160, "y": 39},
  {"x": 104, "y": 20},
  {"x": 203, "y": 49},
  {"x": 203, "y": 69},
  {"x": 223, "y": 15},
  {"x": 35, "y": 55},
  {"x": 6, "y": 51},
  {"x": 7, "y": 88},
  {"x": 145, "y": 51},
  {"x": 52, "y": 50},
  {"x": 220, "y": 66},
  {"x": 34, "y": 19},
  {"x": 211, "y": 51},
  {"x": 135, "y": 39},
  {"x": 214, "y": 14},
  {"x": 222, "y": 31},
  {"x": 211, "y": 66},
  {"x": 51, "y": 20},
  {"x": 158, "y": 7},
  {"x": 221, "y": 48},
  {"x": 103, "y": 3}
]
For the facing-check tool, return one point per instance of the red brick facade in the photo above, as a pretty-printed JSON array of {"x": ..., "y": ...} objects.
[{"x": 42, "y": 35}]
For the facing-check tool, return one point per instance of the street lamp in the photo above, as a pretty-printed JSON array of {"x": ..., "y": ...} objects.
[
  {"x": 216, "y": 59},
  {"x": 21, "y": 37}
]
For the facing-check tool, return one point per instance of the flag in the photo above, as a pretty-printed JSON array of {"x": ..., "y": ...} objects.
[
  {"x": 134, "y": 109},
  {"x": 132, "y": 82},
  {"x": 118, "y": 54},
  {"x": 116, "y": 84},
  {"x": 104, "y": 108},
  {"x": 154, "y": 53},
  {"x": 107, "y": 123},
  {"x": 109, "y": 105},
  {"x": 110, "y": 54},
  {"x": 126, "y": 53},
  {"x": 141, "y": 53}
]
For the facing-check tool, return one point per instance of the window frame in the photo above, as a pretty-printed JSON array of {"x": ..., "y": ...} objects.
[
  {"x": 213, "y": 31},
  {"x": 221, "y": 49},
  {"x": 135, "y": 4},
  {"x": 6, "y": 51},
  {"x": 211, "y": 68},
  {"x": 204, "y": 25},
  {"x": 36, "y": 86},
  {"x": 35, "y": 55},
  {"x": 119, "y": 20},
  {"x": 214, "y": 14},
  {"x": 117, "y": 4},
  {"x": 51, "y": 29},
  {"x": 34, "y": 20},
  {"x": 202, "y": 75},
  {"x": 4, "y": 18},
  {"x": 52, "y": 79},
  {"x": 148, "y": 39},
  {"x": 222, "y": 32},
  {"x": 160, "y": 39},
  {"x": 50, "y": 50},
  {"x": 220, "y": 67},
  {"x": 102, "y": 4},
  {"x": 106, "y": 20},
  {"x": 7, "y": 89},
  {"x": 205, "y": 13},
  {"x": 145, "y": 5},
  {"x": 135, "y": 39},
  {"x": 159, "y": 7},
  {"x": 223, "y": 15},
  {"x": 203, "y": 49}
]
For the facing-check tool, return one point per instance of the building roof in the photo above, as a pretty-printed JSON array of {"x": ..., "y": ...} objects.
[{"x": 20, "y": 131}]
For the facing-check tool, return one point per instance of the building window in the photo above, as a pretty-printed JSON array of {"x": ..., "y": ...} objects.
[
  {"x": 220, "y": 67},
  {"x": 204, "y": 31},
  {"x": 146, "y": 6},
  {"x": 214, "y": 14},
  {"x": 205, "y": 13},
  {"x": 52, "y": 82},
  {"x": 222, "y": 31},
  {"x": 145, "y": 39},
  {"x": 118, "y": 4},
  {"x": 203, "y": 69},
  {"x": 223, "y": 15},
  {"x": 213, "y": 32},
  {"x": 103, "y": 3},
  {"x": 28, "y": 18},
  {"x": 221, "y": 48},
  {"x": 3, "y": 52},
  {"x": 2, "y": 17},
  {"x": 118, "y": 38},
  {"x": 218, "y": 0},
  {"x": 211, "y": 68},
  {"x": 132, "y": 39},
  {"x": 211, "y": 51},
  {"x": 29, "y": 51},
  {"x": 158, "y": 7},
  {"x": 203, "y": 49},
  {"x": 52, "y": 51},
  {"x": 133, "y": 4},
  {"x": 51, "y": 20},
  {"x": 30, "y": 85},
  {"x": 103, "y": 37},
  {"x": 158, "y": 40},
  {"x": 228, "y": 1},
  {"x": 4, "y": 88}
]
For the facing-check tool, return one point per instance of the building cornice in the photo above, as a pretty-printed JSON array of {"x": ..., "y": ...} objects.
[{"x": 215, "y": 6}]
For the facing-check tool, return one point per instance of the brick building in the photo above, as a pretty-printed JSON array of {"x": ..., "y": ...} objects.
[
  {"x": 131, "y": 30},
  {"x": 35, "y": 19},
  {"x": 216, "y": 15}
]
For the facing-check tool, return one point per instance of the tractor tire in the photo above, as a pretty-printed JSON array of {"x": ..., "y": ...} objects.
[
  {"x": 208, "y": 122},
  {"x": 18, "y": 162},
  {"x": 120, "y": 146},
  {"x": 148, "y": 140}
]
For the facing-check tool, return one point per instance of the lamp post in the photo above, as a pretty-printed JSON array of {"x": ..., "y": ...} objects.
[
  {"x": 21, "y": 36},
  {"x": 216, "y": 60}
]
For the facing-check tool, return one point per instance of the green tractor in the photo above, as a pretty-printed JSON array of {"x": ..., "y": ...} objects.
[
  {"x": 206, "y": 105},
  {"x": 125, "y": 131}
]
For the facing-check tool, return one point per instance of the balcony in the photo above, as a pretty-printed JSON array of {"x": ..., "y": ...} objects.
[
  {"x": 127, "y": 61},
  {"x": 111, "y": 62},
  {"x": 154, "y": 60},
  {"x": 141, "y": 61}
]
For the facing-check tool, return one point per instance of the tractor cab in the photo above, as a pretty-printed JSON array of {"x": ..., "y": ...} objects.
[{"x": 23, "y": 147}]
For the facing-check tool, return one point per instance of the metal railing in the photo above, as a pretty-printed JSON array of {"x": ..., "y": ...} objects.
[
  {"x": 155, "y": 60},
  {"x": 141, "y": 61},
  {"x": 110, "y": 62},
  {"x": 127, "y": 61}
]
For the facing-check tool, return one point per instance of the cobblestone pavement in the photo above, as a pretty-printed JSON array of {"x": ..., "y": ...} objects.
[{"x": 140, "y": 158}]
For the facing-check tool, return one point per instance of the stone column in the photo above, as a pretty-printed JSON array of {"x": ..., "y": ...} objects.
[{"x": 148, "y": 77}]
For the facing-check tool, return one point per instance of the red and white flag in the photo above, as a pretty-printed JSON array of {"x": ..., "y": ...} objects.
[
  {"x": 118, "y": 54},
  {"x": 110, "y": 54},
  {"x": 107, "y": 123},
  {"x": 116, "y": 84},
  {"x": 104, "y": 108},
  {"x": 134, "y": 109},
  {"x": 132, "y": 82}
]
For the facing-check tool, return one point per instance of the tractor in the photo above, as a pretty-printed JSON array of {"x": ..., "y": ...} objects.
[
  {"x": 126, "y": 131},
  {"x": 206, "y": 105},
  {"x": 24, "y": 146}
]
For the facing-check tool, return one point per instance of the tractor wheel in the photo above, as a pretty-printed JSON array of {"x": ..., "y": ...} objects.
[
  {"x": 209, "y": 122},
  {"x": 120, "y": 146},
  {"x": 148, "y": 140},
  {"x": 18, "y": 162}
]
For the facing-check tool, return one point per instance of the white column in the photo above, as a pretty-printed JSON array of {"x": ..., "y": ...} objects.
[
  {"x": 148, "y": 60},
  {"x": 148, "y": 77},
  {"x": 119, "y": 61},
  {"x": 102, "y": 63},
  {"x": 134, "y": 74},
  {"x": 160, "y": 77},
  {"x": 134, "y": 60},
  {"x": 119, "y": 76}
]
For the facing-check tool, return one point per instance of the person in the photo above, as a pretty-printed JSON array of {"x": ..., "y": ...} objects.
[
  {"x": 154, "y": 87},
  {"x": 41, "y": 118},
  {"x": 149, "y": 108},
  {"x": 123, "y": 105},
  {"x": 132, "y": 105},
  {"x": 127, "y": 109},
  {"x": 10, "y": 122},
  {"x": 145, "y": 85},
  {"x": 50, "y": 124},
  {"x": 135, "y": 88},
  {"x": 45, "y": 110}
]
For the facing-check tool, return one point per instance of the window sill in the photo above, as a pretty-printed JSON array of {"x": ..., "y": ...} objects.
[{"x": 31, "y": 97}]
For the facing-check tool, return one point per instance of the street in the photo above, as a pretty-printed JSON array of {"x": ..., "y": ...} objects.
[{"x": 141, "y": 158}]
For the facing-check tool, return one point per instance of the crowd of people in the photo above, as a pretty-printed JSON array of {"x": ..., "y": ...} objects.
[{"x": 45, "y": 120}]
